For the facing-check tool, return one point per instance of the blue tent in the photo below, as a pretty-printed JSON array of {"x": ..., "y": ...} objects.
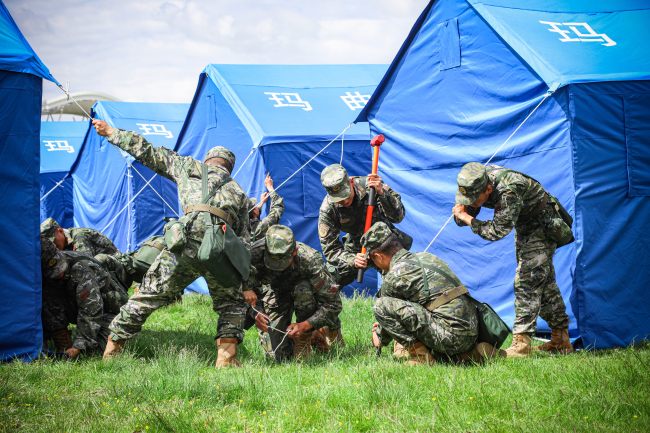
[
  {"x": 115, "y": 194},
  {"x": 60, "y": 143},
  {"x": 275, "y": 118},
  {"x": 469, "y": 73},
  {"x": 21, "y": 74}
]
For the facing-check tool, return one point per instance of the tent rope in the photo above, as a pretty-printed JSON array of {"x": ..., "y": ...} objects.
[
  {"x": 286, "y": 334},
  {"x": 58, "y": 184},
  {"x": 342, "y": 144},
  {"x": 243, "y": 163},
  {"x": 548, "y": 94},
  {"x": 157, "y": 193},
  {"x": 70, "y": 97}
]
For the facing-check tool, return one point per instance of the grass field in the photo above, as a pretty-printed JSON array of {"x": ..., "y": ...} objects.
[{"x": 166, "y": 382}]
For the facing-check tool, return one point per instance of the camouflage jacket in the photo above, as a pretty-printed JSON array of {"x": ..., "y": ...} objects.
[
  {"x": 89, "y": 241},
  {"x": 224, "y": 193},
  {"x": 307, "y": 265},
  {"x": 517, "y": 200},
  {"x": 259, "y": 227},
  {"x": 405, "y": 280},
  {"x": 85, "y": 294},
  {"x": 333, "y": 219}
]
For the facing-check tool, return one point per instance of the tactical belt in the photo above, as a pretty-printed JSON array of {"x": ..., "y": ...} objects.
[
  {"x": 210, "y": 209},
  {"x": 446, "y": 297}
]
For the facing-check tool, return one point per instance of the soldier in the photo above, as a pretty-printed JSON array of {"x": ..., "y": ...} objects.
[
  {"x": 296, "y": 281},
  {"x": 421, "y": 304},
  {"x": 76, "y": 289},
  {"x": 211, "y": 199},
  {"x": 540, "y": 227},
  {"x": 84, "y": 240},
  {"x": 259, "y": 228}
]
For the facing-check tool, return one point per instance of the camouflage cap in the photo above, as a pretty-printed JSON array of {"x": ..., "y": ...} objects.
[
  {"x": 53, "y": 261},
  {"x": 336, "y": 181},
  {"x": 221, "y": 152},
  {"x": 376, "y": 236},
  {"x": 252, "y": 202},
  {"x": 472, "y": 181},
  {"x": 280, "y": 245},
  {"x": 48, "y": 227}
]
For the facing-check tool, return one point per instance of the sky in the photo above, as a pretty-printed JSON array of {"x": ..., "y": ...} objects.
[{"x": 154, "y": 51}]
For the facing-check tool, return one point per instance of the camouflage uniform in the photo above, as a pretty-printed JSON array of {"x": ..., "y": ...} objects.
[
  {"x": 76, "y": 289},
  {"x": 334, "y": 218},
  {"x": 412, "y": 282},
  {"x": 520, "y": 202},
  {"x": 259, "y": 227},
  {"x": 171, "y": 272},
  {"x": 299, "y": 284},
  {"x": 83, "y": 240},
  {"x": 131, "y": 267}
]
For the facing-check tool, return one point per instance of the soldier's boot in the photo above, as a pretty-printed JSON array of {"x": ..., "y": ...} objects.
[
  {"x": 521, "y": 346},
  {"x": 559, "y": 343},
  {"x": 62, "y": 340},
  {"x": 400, "y": 351},
  {"x": 419, "y": 354},
  {"x": 227, "y": 353},
  {"x": 480, "y": 353},
  {"x": 113, "y": 348},
  {"x": 319, "y": 340},
  {"x": 302, "y": 347}
]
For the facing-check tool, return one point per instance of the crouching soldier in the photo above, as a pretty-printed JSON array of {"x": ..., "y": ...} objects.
[
  {"x": 83, "y": 240},
  {"x": 77, "y": 290},
  {"x": 296, "y": 281},
  {"x": 422, "y": 304},
  {"x": 131, "y": 267}
]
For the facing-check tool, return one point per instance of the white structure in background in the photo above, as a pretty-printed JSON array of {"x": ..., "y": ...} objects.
[{"x": 64, "y": 106}]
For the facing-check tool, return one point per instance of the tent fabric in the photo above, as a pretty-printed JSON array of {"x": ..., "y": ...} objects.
[
  {"x": 455, "y": 92},
  {"x": 20, "y": 270},
  {"x": 16, "y": 54},
  {"x": 275, "y": 118},
  {"x": 106, "y": 179},
  {"x": 60, "y": 143}
]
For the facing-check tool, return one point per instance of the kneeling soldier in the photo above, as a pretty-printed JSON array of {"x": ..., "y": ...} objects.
[
  {"x": 296, "y": 281},
  {"x": 76, "y": 289},
  {"x": 421, "y": 303},
  {"x": 83, "y": 240}
]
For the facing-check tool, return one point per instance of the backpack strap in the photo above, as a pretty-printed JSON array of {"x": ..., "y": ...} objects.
[{"x": 445, "y": 296}]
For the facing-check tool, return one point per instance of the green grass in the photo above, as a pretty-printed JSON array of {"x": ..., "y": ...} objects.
[{"x": 166, "y": 382}]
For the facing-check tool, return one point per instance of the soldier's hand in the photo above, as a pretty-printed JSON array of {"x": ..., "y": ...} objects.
[
  {"x": 268, "y": 183},
  {"x": 374, "y": 181},
  {"x": 460, "y": 213},
  {"x": 72, "y": 353},
  {"x": 262, "y": 322},
  {"x": 263, "y": 198},
  {"x": 297, "y": 329},
  {"x": 102, "y": 128},
  {"x": 250, "y": 297},
  {"x": 376, "y": 342},
  {"x": 361, "y": 261}
]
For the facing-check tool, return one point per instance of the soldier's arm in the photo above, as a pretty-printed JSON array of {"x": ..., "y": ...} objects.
[
  {"x": 93, "y": 242},
  {"x": 326, "y": 294},
  {"x": 328, "y": 233},
  {"x": 90, "y": 307},
  {"x": 505, "y": 215},
  {"x": 244, "y": 231},
  {"x": 275, "y": 213},
  {"x": 163, "y": 161},
  {"x": 390, "y": 205}
]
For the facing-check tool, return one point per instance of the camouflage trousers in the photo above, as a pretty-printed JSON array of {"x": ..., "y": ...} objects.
[
  {"x": 280, "y": 307},
  {"x": 407, "y": 322},
  {"x": 165, "y": 281},
  {"x": 536, "y": 291}
]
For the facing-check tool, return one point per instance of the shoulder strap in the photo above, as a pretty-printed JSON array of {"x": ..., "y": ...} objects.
[
  {"x": 425, "y": 278},
  {"x": 204, "y": 183}
]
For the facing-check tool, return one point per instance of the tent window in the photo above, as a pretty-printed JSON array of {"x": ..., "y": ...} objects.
[
  {"x": 637, "y": 141},
  {"x": 211, "y": 112},
  {"x": 449, "y": 45}
]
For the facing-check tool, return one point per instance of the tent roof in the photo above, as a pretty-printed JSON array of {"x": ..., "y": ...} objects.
[
  {"x": 562, "y": 41},
  {"x": 294, "y": 100},
  {"x": 134, "y": 116},
  {"x": 15, "y": 53},
  {"x": 57, "y": 156}
]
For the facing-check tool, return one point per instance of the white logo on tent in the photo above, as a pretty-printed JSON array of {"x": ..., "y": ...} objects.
[
  {"x": 355, "y": 101},
  {"x": 578, "y": 32},
  {"x": 288, "y": 100},
  {"x": 154, "y": 129},
  {"x": 54, "y": 145}
]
